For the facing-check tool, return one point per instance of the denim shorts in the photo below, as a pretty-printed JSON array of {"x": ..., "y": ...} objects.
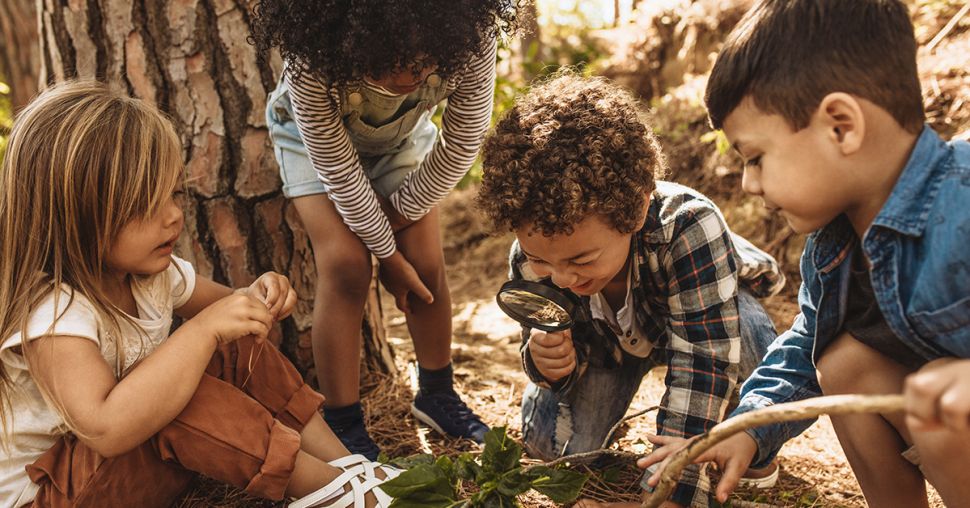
[{"x": 386, "y": 172}]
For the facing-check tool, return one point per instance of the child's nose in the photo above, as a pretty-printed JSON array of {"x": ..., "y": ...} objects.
[
  {"x": 174, "y": 214},
  {"x": 563, "y": 279},
  {"x": 751, "y": 181}
]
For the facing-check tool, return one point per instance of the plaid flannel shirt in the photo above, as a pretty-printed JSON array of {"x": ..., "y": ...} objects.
[{"x": 685, "y": 285}]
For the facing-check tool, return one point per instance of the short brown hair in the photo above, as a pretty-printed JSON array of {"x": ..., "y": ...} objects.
[
  {"x": 789, "y": 54},
  {"x": 570, "y": 148}
]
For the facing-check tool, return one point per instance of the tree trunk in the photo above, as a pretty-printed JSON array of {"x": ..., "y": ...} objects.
[
  {"x": 191, "y": 59},
  {"x": 19, "y": 57}
]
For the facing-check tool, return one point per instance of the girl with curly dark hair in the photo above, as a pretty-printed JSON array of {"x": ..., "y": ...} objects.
[{"x": 365, "y": 167}]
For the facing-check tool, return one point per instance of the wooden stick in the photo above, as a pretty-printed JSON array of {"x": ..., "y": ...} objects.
[
  {"x": 946, "y": 29},
  {"x": 790, "y": 411}
]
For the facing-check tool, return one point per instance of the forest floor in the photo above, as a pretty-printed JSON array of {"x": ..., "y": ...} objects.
[{"x": 814, "y": 471}]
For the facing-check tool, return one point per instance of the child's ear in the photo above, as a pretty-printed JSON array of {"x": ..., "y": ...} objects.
[{"x": 840, "y": 117}]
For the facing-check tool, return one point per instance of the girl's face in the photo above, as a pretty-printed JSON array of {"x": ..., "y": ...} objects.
[{"x": 144, "y": 247}]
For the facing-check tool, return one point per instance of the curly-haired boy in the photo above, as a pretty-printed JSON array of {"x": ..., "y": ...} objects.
[{"x": 570, "y": 169}]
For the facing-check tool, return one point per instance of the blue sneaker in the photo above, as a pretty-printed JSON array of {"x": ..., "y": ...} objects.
[
  {"x": 355, "y": 438},
  {"x": 445, "y": 412}
]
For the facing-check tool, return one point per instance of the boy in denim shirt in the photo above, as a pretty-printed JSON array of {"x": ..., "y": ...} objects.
[
  {"x": 822, "y": 100},
  {"x": 570, "y": 169}
]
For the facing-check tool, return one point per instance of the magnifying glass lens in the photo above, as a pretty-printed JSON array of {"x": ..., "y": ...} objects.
[{"x": 536, "y": 305}]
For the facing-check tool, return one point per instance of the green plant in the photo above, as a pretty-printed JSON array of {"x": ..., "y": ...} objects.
[{"x": 498, "y": 474}]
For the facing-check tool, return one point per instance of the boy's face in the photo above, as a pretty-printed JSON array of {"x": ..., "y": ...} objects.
[
  {"x": 798, "y": 174},
  {"x": 584, "y": 261}
]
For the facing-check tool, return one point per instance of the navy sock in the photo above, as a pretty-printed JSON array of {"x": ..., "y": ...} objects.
[
  {"x": 343, "y": 417},
  {"x": 436, "y": 381}
]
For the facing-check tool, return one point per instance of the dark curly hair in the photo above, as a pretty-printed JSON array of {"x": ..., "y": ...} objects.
[
  {"x": 340, "y": 41},
  {"x": 570, "y": 148}
]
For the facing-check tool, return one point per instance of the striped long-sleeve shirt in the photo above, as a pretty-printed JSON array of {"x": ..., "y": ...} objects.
[{"x": 466, "y": 118}]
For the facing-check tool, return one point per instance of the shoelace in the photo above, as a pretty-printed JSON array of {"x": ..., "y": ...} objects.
[{"x": 454, "y": 408}]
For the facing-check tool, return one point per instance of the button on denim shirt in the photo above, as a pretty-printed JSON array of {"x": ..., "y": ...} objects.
[{"x": 919, "y": 252}]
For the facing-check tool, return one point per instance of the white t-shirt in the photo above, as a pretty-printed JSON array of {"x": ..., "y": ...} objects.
[
  {"x": 34, "y": 425},
  {"x": 624, "y": 324}
]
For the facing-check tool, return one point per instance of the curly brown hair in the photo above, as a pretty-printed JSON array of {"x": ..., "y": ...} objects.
[
  {"x": 341, "y": 41},
  {"x": 572, "y": 147}
]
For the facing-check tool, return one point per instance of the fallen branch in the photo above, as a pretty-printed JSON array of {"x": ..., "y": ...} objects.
[
  {"x": 801, "y": 410},
  {"x": 946, "y": 29},
  {"x": 604, "y": 450}
]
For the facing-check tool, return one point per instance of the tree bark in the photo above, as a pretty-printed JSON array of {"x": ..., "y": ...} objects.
[
  {"x": 19, "y": 51},
  {"x": 191, "y": 59}
]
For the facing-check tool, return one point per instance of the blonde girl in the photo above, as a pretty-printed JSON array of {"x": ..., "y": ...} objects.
[{"x": 100, "y": 404}]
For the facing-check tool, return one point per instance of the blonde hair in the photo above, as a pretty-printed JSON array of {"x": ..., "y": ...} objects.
[{"x": 82, "y": 161}]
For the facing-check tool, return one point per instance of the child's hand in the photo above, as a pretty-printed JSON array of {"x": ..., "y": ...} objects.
[
  {"x": 234, "y": 317},
  {"x": 553, "y": 354},
  {"x": 733, "y": 457},
  {"x": 939, "y": 395},
  {"x": 401, "y": 279},
  {"x": 275, "y": 291}
]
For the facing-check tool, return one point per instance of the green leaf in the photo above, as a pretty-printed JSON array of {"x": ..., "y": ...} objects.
[
  {"x": 407, "y": 462},
  {"x": 560, "y": 485},
  {"x": 447, "y": 467},
  {"x": 501, "y": 453},
  {"x": 423, "y": 481},
  {"x": 467, "y": 469},
  {"x": 496, "y": 500},
  {"x": 422, "y": 500},
  {"x": 514, "y": 483}
]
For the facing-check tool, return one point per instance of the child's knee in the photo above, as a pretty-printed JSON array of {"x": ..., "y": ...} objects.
[
  {"x": 432, "y": 272},
  {"x": 838, "y": 367},
  {"x": 350, "y": 272},
  {"x": 849, "y": 366}
]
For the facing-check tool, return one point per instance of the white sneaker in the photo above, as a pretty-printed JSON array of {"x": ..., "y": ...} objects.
[{"x": 348, "y": 489}]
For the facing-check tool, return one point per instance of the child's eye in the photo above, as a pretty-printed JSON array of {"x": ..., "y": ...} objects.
[
  {"x": 537, "y": 261},
  {"x": 581, "y": 263},
  {"x": 754, "y": 161}
]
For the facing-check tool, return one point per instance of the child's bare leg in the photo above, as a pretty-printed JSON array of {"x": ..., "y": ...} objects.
[
  {"x": 872, "y": 443},
  {"x": 429, "y": 325},
  {"x": 343, "y": 279},
  {"x": 943, "y": 455},
  {"x": 319, "y": 441},
  {"x": 310, "y": 474}
]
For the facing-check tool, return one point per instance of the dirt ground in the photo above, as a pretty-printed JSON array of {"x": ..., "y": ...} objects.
[{"x": 814, "y": 471}]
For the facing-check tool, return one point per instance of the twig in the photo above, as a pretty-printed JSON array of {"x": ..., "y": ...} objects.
[
  {"x": 609, "y": 435},
  {"x": 803, "y": 409},
  {"x": 949, "y": 26},
  {"x": 586, "y": 457},
  {"x": 604, "y": 450}
]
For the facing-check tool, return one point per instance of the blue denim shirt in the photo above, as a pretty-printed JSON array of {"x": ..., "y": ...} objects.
[{"x": 919, "y": 252}]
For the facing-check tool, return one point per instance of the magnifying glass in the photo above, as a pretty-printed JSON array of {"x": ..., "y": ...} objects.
[{"x": 538, "y": 305}]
